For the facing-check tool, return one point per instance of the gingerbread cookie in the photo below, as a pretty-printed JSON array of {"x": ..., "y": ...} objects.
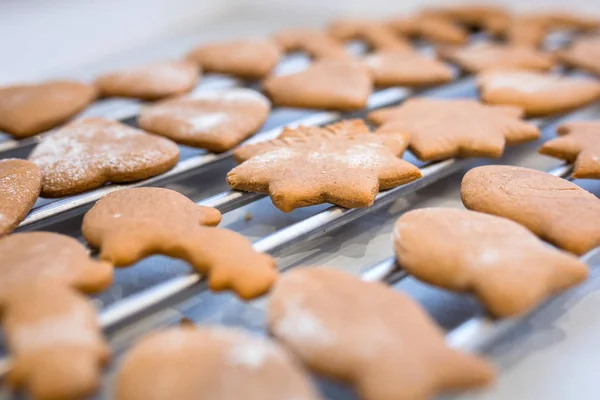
[
  {"x": 314, "y": 166},
  {"x": 248, "y": 59},
  {"x": 487, "y": 17},
  {"x": 316, "y": 43},
  {"x": 569, "y": 20},
  {"x": 86, "y": 154},
  {"x": 55, "y": 343},
  {"x": 433, "y": 28},
  {"x": 440, "y": 129},
  {"x": 26, "y": 110},
  {"x": 393, "y": 68},
  {"x": 538, "y": 93},
  {"x": 152, "y": 81},
  {"x": 20, "y": 185},
  {"x": 580, "y": 144},
  {"x": 528, "y": 31},
  {"x": 215, "y": 120},
  {"x": 505, "y": 265},
  {"x": 553, "y": 208},
  {"x": 376, "y": 34},
  {"x": 187, "y": 363},
  {"x": 584, "y": 53},
  {"x": 131, "y": 224},
  {"x": 479, "y": 58},
  {"x": 376, "y": 339},
  {"x": 52, "y": 259},
  {"x": 325, "y": 84}
]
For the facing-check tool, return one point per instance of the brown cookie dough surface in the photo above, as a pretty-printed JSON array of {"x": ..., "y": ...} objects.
[
  {"x": 483, "y": 57},
  {"x": 246, "y": 58},
  {"x": 20, "y": 185},
  {"x": 440, "y": 129},
  {"x": 505, "y": 265},
  {"x": 538, "y": 93},
  {"x": 579, "y": 143},
  {"x": 55, "y": 343},
  {"x": 86, "y": 154},
  {"x": 216, "y": 120},
  {"x": 316, "y": 43},
  {"x": 431, "y": 27},
  {"x": 26, "y": 110},
  {"x": 553, "y": 208},
  {"x": 326, "y": 84},
  {"x": 152, "y": 81},
  {"x": 366, "y": 334},
  {"x": 377, "y": 35},
  {"x": 309, "y": 166},
  {"x": 584, "y": 53}
]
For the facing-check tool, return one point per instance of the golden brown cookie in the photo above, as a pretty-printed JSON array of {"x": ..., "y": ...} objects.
[
  {"x": 479, "y": 58},
  {"x": 505, "y": 265},
  {"x": 189, "y": 363},
  {"x": 86, "y": 154},
  {"x": 317, "y": 43},
  {"x": 26, "y": 110},
  {"x": 553, "y": 208},
  {"x": 311, "y": 166},
  {"x": 568, "y": 20},
  {"x": 579, "y": 143},
  {"x": 584, "y": 53},
  {"x": 401, "y": 68},
  {"x": 152, "y": 81},
  {"x": 538, "y": 93},
  {"x": 377, "y": 35},
  {"x": 215, "y": 120},
  {"x": 440, "y": 129},
  {"x": 433, "y": 28},
  {"x": 326, "y": 84},
  {"x": 20, "y": 185},
  {"x": 368, "y": 335},
  {"x": 527, "y": 30},
  {"x": 131, "y": 224},
  {"x": 52, "y": 259},
  {"x": 475, "y": 16},
  {"x": 248, "y": 58},
  {"x": 55, "y": 343}
]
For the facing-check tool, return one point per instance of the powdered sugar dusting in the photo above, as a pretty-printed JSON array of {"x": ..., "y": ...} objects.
[
  {"x": 235, "y": 95},
  {"x": 207, "y": 121},
  {"x": 521, "y": 81},
  {"x": 299, "y": 324},
  {"x": 250, "y": 353}
]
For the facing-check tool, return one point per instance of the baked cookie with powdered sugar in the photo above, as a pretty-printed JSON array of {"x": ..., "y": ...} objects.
[{"x": 20, "y": 185}]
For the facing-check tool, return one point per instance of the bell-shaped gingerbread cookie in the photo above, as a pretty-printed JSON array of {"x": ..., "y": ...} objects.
[
  {"x": 507, "y": 267},
  {"x": 20, "y": 185},
  {"x": 88, "y": 153},
  {"x": 214, "y": 120},
  {"x": 345, "y": 165},
  {"x": 131, "y": 224},
  {"x": 553, "y": 208},
  {"x": 440, "y": 129},
  {"x": 186, "y": 363},
  {"x": 26, "y": 110},
  {"x": 366, "y": 334}
]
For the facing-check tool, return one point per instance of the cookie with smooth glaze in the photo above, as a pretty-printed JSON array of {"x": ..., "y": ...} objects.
[
  {"x": 440, "y": 129},
  {"x": 29, "y": 109},
  {"x": 506, "y": 266},
  {"x": 538, "y": 93},
  {"x": 244, "y": 58},
  {"x": 20, "y": 186},
  {"x": 88, "y": 153},
  {"x": 212, "y": 362},
  {"x": 131, "y": 224},
  {"x": 578, "y": 143},
  {"x": 150, "y": 82},
  {"x": 377, "y": 340},
  {"x": 310, "y": 165},
  {"x": 216, "y": 120},
  {"x": 318, "y": 44},
  {"x": 325, "y": 84},
  {"x": 553, "y": 208},
  {"x": 55, "y": 342},
  {"x": 584, "y": 53}
]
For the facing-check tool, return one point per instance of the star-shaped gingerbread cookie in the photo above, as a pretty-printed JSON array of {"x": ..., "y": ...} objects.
[
  {"x": 584, "y": 53},
  {"x": 326, "y": 84},
  {"x": 86, "y": 154},
  {"x": 553, "y": 208},
  {"x": 440, "y": 129},
  {"x": 131, "y": 224},
  {"x": 366, "y": 334},
  {"x": 26, "y": 110},
  {"x": 538, "y": 93},
  {"x": 248, "y": 58},
  {"x": 20, "y": 185},
  {"x": 313, "y": 166},
  {"x": 316, "y": 43},
  {"x": 579, "y": 143},
  {"x": 505, "y": 265}
]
